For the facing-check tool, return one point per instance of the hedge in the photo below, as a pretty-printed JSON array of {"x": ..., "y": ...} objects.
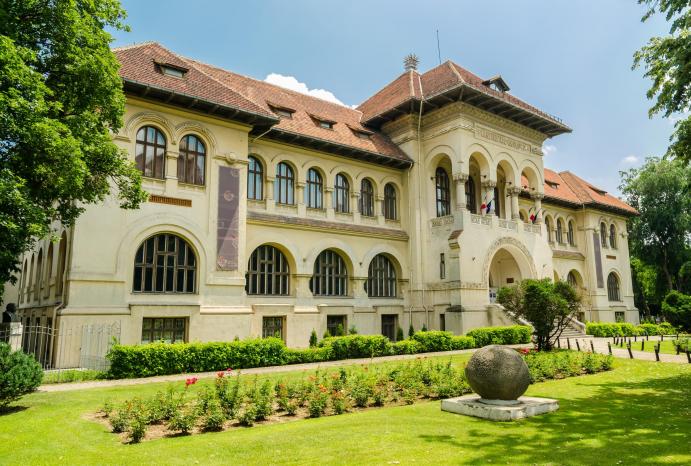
[
  {"x": 163, "y": 358},
  {"x": 501, "y": 335},
  {"x": 602, "y": 329}
]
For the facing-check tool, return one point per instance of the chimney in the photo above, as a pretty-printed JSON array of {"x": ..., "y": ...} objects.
[{"x": 410, "y": 62}]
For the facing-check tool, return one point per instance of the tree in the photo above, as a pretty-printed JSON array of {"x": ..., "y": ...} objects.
[
  {"x": 547, "y": 305},
  {"x": 411, "y": 331},
  {"x": 313, "y": 339},
  {"x": 60, "y": 100},
  {"x": 661, "y": 192},
  {"x": 666, "y": 61},
  {"x": 677, "y": 309}
]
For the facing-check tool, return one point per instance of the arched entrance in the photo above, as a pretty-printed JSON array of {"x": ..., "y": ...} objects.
[{"x": 508, "y": 266}]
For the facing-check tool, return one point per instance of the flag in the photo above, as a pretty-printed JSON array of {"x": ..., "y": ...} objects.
[{"x": 489, "y": 206}]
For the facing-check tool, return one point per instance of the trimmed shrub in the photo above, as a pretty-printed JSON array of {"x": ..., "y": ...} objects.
[
  {"x": 302, "y": 356},
  {"x": 357, "y": 346},
  {"x": 608, "y": 330},
  {"x": 19, "y": 374},
  {"x": 647, "y": 329},
  {"x": 513, "y": 335},
  {"x": 164, "y": 358},
  {"x": 313, "y": 339},
  {"x": 406, "y": 347},
  {"x": 459, "y": 343},
  {"x": 435, "y": 340},
  {"x": 563, "y": 363}
]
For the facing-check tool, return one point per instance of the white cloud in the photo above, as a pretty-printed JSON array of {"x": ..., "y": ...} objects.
[
  {"x": 629, "y": 161},
  {"x": 548, "y": 149},
  {"x": 289, "y": 82}
]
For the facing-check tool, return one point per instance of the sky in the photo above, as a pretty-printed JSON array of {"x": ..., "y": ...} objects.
[{"x": 569, "y": 58}]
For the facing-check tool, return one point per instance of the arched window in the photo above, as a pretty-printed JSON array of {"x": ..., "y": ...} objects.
[
  {"x": 30, "y": 288},
  {"x": 150, "y": 152},
  {"x": 613, "y": 287},
  {"x": 381, "y": 278},
  {"x": 548, "y": 226},
  {"x": 330, "y": 276},
  {"x": 22, "y": 283},
  {"x": 49, "y": 271},
  {"x": 191, "y": 160},
  {"x": 164, "y": 263},
  {"x": 571, "y": 279},
  {"x": 443, "y": 193},
  {"x": 612, "y": 237},
  {"x": 496, "y": 204},
  {"x": 570, "y": 234},
  {"x": 390, "y": 208},
  {"x": 470, "y": 196},
  {"x": 255, "y": 179},
  {"x": 560, "y": 231},
  {"x": 62, "y": 257},
  {"x": 342, "y": 194},
  {"x": 603, "y": 234},
  {"x": 39, "y": 275},
  {"x": 284, "y": 186},
  {"x": 268, "y": 272},
  {"x": 366, "y": 198},
  {"x": 314, "y": 194}
]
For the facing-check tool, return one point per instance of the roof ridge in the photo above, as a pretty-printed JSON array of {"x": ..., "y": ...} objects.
[
  {"x": 455, "y": 71},
  {"x": 302, "y": 94},
  {"x": 135, "y": 45}
]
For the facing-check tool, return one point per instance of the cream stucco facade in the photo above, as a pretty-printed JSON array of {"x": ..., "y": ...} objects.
[{"x": 447, "y": 266}]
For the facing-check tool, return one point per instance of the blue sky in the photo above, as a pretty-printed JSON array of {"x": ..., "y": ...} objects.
[{"x": 569, "y": 58}]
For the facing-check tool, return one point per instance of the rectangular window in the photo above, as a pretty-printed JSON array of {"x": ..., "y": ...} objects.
[
  {"x": 167, "y": 330},
  {"x": 619, "y": 317},
  {"x": 442, "y": 266},
  {"x": 336, "y": 325},
  {"x": 273, "y": 327},
  {"x": 442, "y": 322},
  {"x": 389, "y": 325}
]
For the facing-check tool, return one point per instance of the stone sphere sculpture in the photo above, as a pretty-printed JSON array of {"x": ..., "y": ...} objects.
[{"x": 498, "y": 374}]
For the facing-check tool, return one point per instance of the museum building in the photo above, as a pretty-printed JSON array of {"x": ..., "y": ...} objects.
[{"x": 272, "y": 212}]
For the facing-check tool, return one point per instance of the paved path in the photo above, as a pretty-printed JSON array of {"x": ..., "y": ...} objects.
[
  {"x": 62, "y": 387},
  {"x": 600, "y": 345}
]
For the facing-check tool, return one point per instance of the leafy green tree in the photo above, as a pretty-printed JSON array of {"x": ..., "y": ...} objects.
[
  {"x": 666, "y": 62},
  {"x": 547, "y": 305},
  {"x": 60, "y": 100},
  {"x": 677, "y": 309},
  {"x": 661, "y": 192}
]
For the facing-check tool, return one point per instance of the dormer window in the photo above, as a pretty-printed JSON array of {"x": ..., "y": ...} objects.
[
  {"x": 172, "y": 70},
  {"x": 362, "y": 135},
  {"x": 282, "y": 112},
  {"x": 360, "y": 132},
  {"x": 497, "y": 83},
  {"x": 325, "y": 124},
  {"x": 552, "y": 184}
]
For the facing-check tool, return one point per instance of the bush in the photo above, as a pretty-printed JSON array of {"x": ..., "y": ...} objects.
[
  {"x": 406, "y": 347},
  {"x": 19, "y": 374},
  {"x": 302, "y": 356},
  {"x": 164, "y": 358},
  {"x": 434, "y": 340},
  {"x": 313, "y": 339},
  {"x": 563, "y": 363},
  {"x": 399, "y": 334},
  {"x": 676, "y": 308},
  {"x": 501, "y": 335},
  {"x": 357, "y": 346},
  {"x": 608, "y": 330},
  {"x": 647, "y": 329},
  {"x": 459, "y": 343}
]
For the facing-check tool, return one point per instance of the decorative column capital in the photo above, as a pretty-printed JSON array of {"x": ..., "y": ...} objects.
[
  {"x": 514, "y": 191},
  {"x": 537, "y": 196},
  {"x": 460, "y": 177},
  {"x": 489, "y": 184}
]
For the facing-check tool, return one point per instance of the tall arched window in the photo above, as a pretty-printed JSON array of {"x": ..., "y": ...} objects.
[
  {"x": 314, "y": 194},
  {"x": 342, "y": 194},
  {"x": 268, "y": 272},
  {"x": 549, "y": 228},
  {"x": 390, "y": 207},
  {"x": 571, "y": 279},
  {"x": 613, "y": 287},
  {"x": 612, "y": 236},
  {"x": 30, "y": 288},
  {"x": 330, "y": 276},
  {"x": 570, "y": 234},
  {"x": 150, "y": 152},
  {"x": 164, "y": 263},
  {"x": 49, "y": 271},
  {"x": 191, "y": 160},
  {"x": 62, "y": 261},
  {"x": 366, "y": 198},
  {"x": 284, "y": 186},
  {"x": 497, "y": 204},
  {"x": 443, "y": 193},
  {"x": 603, "y": 234},
  {"x": 560, "y": 231},
  {"x": 255, "y": 179},
  {"x": 39, "y": 275},
  {"x": 381, "y": 278},
  {"x": 470, "y": 196}
]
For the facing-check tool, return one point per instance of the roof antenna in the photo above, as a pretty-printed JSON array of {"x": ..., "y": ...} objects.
[
  {"x": 410, "y": 62},
  {"x": 438, "y": 48}
]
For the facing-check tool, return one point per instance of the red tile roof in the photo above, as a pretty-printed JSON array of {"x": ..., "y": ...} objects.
[{"x": 138, "y": 63}]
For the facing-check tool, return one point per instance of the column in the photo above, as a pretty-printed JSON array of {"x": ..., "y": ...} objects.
[
  {"x": 355, "y": 206},
  {"x": 328, "y": 202},
  {"x": 515, "y": 192},
  {"x": 171, "y": 170},
  {"x": 300, "y": 198},
  {"x": 537, "y": 197},
  {"x": 460, "y": 179},
  {"x": 269, "y": 194}
]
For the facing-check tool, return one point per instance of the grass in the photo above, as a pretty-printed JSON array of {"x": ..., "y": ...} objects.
[
  {"x": 636, "y": 414},
  {"x": 666, "y": 346}
]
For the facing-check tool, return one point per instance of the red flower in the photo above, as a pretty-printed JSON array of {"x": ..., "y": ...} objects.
[
  {"x": 190, "y": 381},
  {"x": 229, "y": 370},
  {"x": 220, "y": 374}
]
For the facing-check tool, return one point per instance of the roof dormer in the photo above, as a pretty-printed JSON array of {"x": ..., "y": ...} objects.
[
  {"x": 169, "y": 69},
  {"x": 497, "y": 83}
]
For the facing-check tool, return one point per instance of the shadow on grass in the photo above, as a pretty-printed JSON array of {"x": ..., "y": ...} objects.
[
  {"x": 639, "y": 422},
  {"x": 8, "y": 410}
]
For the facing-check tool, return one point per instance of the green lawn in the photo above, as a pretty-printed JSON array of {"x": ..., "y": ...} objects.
[
  {"x": 639, "y": 413},
  {"x": 666, "y": 346}
]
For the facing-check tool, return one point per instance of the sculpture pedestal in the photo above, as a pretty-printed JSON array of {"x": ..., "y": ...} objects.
[{"x": 527, "y": 406}]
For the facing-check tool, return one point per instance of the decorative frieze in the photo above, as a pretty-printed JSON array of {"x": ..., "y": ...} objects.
[{"x": 440, "y": 221}]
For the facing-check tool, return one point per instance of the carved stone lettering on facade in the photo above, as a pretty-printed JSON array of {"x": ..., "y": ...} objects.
[{"x": 484, "y": 133}]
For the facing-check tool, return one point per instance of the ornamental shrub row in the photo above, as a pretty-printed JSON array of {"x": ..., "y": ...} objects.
[
  {"x": 501, "y": 335},
  {"x": 601, "y": 329},
  {"x": 163, "y": 358}
]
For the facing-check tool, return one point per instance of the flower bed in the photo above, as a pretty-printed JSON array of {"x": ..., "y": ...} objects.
[{"x": 238, "y": 401}]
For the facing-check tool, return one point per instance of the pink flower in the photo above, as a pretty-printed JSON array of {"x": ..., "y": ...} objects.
[
  {"x": 220, "y": 374},
  {"x": 190, "y": 381},
  {"x": 229, "y": 370}
]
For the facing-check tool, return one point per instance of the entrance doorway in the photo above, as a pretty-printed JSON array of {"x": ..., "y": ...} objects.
[{"x": 389, "y": 325}]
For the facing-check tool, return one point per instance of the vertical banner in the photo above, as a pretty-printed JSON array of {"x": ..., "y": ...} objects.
[
  {"x": 227, "y": 233},
  {"x": 598, "y": 260}
]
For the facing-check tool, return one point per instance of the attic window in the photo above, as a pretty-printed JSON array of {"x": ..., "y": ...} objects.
[
  {"x": 325, "y": 124},
  {"x": 599, "y": 191},
  {"x": 552, "y": 184},
  {"x": 172, "y": 70},
  {"x": 282, "y": 112},
  {"x": 497, "y": 83},
  {"x": 362, "y": 134}
]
